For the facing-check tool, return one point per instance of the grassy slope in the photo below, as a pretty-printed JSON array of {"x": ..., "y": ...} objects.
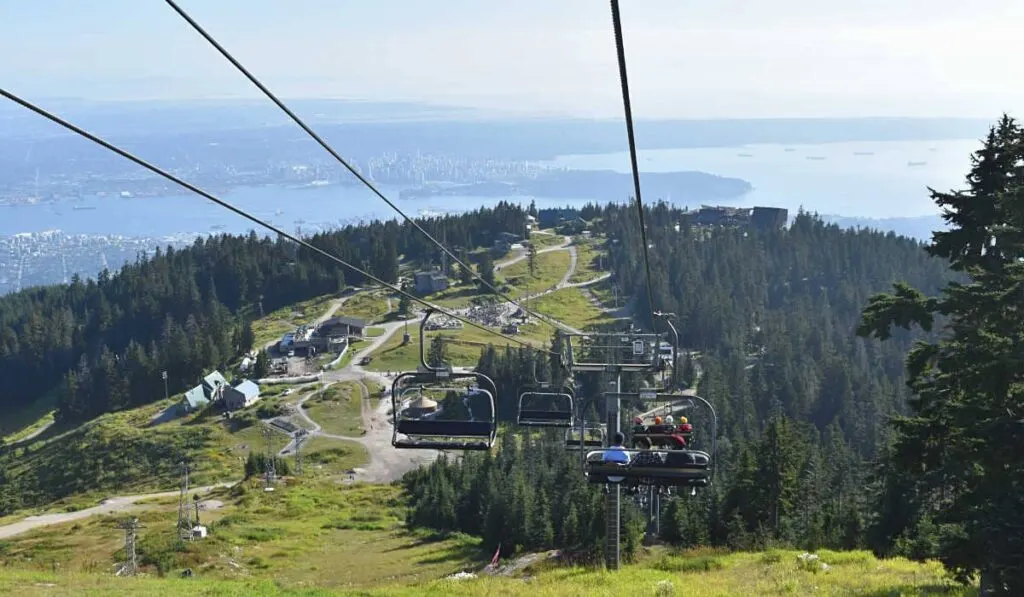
[
  {"x": 308, "y": 532},
  {"x": 571, "y": 307},
  {"x": 587, "y": 253},
  {"x": 700, "y": 574},
  {"x": 274, "y": 324},
  {"x": 393, "y": 356},
  {"x": 338, "y": 411},
  {"x": 371, "y": 305},
  {"x": 542, "y": 240},
  {"x": 120, "y": 453},
  {"x": 550, "y": 267}
]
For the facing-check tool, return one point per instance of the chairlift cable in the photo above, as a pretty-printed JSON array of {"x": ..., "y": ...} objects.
[
  {"x": 187, "y": 185},
  {"x": 627, "y": 107},
  {"x": 280, "y": 104}
]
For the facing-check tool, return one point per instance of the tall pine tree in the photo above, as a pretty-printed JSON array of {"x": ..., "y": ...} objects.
[{"x": 963, "y": 444}]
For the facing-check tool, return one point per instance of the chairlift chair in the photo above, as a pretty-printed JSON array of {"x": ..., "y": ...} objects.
[
  {"x": 587, "y": 437},
  {"x": 441, "y": 434},
  {"x": 531, "y": 401},
  {"x": 658, "y": 467},
  {"x": 661, "y": 468}
]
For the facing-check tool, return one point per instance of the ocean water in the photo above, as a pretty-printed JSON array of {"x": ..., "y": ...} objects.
[
  {"x": 873, "y": 180},
  {"x": 310, "y": 209},
  {"x": 850, "y": 179}
]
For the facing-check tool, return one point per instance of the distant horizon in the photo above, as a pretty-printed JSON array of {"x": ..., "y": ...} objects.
[{"x": 467, "y": 110}]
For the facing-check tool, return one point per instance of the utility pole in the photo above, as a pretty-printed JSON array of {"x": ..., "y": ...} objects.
[
  {"x": 269, "y": 474},
  {"x": 163, "y": 374},
  {"x": 184, "y": 522},
  {"x": 130, "y": 566}
]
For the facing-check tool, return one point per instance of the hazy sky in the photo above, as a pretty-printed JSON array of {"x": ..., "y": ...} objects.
[{"x": 687, "y": 58}]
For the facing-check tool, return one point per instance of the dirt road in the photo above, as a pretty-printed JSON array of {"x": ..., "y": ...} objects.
[
  {"x": 386, "y": 463},
  {"x": 109, "y": 506}
]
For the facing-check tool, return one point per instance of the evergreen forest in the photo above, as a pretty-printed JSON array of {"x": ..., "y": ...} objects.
[{"x": 848, "y": 416}]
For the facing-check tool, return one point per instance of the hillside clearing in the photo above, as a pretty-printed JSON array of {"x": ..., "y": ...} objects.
[
  {"x": 464, "y": 352},
  {"x": 338, "y": 410},
  {"x": 549, "y": 270},
  {"x": 571, "y": 307}
]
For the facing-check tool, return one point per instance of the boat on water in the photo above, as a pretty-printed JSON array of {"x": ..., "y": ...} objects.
[
  {"x": 788, "y": 149},
  {"x": 745, "y": 155},
  {"x": 863, "y": 153},
  {"x": 816, "y": 157},
  {"x": 916, "y": 163}
]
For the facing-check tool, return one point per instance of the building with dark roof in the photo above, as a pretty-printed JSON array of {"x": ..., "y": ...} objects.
[
  {"x": 342, "y": 326},
  {"x": 243, "y": 394},
  {"x": 431, "y": 282}
]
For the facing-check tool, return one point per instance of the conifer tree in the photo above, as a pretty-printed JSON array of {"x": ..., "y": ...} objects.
[{"x": 963, "y": 443}]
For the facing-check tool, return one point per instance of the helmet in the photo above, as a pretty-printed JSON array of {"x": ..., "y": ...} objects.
[
  {"x": 683, "y": 420},
  {"x": 657, "y": 420},
  {"x": 668, "y": 419}
]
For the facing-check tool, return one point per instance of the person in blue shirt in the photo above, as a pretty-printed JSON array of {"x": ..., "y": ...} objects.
[{"x": 616, "y": 453}]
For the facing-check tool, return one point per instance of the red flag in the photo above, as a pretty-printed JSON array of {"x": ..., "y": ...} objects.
[{"x": 497, "y": 554}]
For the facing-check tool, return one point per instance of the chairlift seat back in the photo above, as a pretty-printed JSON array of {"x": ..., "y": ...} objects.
[{"x": 678, "y": 468}]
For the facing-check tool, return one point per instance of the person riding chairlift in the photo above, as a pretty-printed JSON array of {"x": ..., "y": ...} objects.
[{"x": 616, "y": 453}]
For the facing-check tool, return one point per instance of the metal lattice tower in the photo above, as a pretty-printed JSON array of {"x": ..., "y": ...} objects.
[
  {"x": 130, "y": 566},
  {"x": 269, "y": 474},
  {"x": 613, "y": 510},
  {"x": 300, "y": 438},
  {"x": 184, "y": 510}
]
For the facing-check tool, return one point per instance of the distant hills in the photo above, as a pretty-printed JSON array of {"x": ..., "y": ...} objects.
[
  {"x": 372, "y": 128},
  {"x": 918, "y": 227}
]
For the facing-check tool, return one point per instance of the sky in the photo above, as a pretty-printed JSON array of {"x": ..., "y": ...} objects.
[{"x": 686, "y": 58}]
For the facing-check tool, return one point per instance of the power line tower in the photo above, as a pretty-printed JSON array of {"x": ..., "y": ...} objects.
[
  {"x": 300, "y": 438},
  {"x": 184, "y": 514},
  {"x": 269, "y": 474},
  {"x": 130, "y": 566}
]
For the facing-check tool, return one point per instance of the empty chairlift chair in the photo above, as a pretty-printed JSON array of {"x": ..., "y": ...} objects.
[
  {"x": 546, "y": 409},
  {"x": 427, "y": 428},
  {"x": 589, "y": 437}
]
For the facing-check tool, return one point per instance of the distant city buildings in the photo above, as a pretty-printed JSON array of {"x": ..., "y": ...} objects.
[
  {"x": 53, "y": 257},
  {"x": 758, "y": 217}
]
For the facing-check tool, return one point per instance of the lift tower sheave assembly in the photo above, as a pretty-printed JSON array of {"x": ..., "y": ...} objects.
[{"x": 613, "y": 353}]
